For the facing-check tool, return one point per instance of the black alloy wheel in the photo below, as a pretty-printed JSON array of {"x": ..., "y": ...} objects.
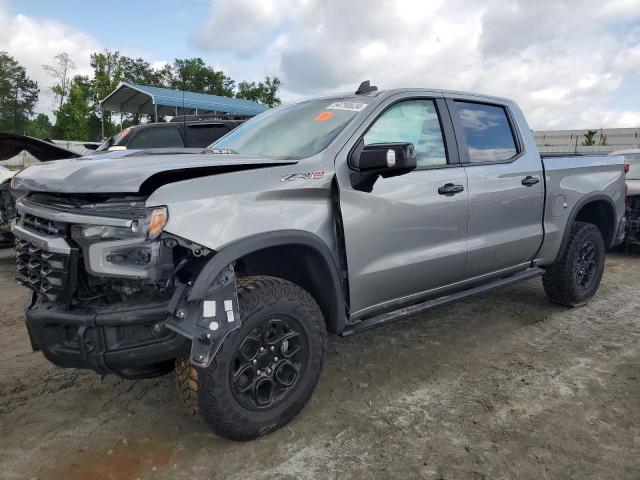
[{"x": 269, "y": 363}]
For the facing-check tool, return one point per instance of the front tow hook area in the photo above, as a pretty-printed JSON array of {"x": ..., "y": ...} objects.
[{"x": 208, "y": 321}]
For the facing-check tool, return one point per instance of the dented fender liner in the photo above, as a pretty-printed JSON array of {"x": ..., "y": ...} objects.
[
  {"x": 228, "y": 255},
  {"x": 207, "y": 321}
]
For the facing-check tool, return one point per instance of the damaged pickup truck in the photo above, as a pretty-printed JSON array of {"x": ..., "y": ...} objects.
[{"x": 335, "y": 215}]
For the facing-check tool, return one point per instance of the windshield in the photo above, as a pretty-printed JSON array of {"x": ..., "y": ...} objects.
[
  {"x": 293, "y": 131},
  {"x": 115, "y": 140}
]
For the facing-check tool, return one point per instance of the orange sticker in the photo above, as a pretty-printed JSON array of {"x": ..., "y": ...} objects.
[{"x": 323, "y": 117}]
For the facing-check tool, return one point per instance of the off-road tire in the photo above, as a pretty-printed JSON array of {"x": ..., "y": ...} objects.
[
  {"x": 207, "y": 393},
  {"x": 560, "y": 281},
  {"x": 187, "y": 383}
]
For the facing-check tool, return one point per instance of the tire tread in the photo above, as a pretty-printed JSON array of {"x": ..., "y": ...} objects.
[
  {"x": 558, "y": 279},
  {"x": 201, "y": 390}
]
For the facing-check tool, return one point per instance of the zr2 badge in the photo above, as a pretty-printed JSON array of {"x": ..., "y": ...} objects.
[{"x": 290, "y": 177}]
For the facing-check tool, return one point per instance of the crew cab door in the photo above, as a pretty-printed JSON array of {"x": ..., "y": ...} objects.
[
  {"x": 506, "y": 186},
  {"x": 403, "y": 237}
]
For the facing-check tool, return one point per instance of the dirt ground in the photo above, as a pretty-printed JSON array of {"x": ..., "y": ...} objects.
[{"x": 501, "y": 386}]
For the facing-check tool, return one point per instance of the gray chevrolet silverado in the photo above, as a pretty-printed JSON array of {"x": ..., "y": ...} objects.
[{"x": 334, "y": 214}]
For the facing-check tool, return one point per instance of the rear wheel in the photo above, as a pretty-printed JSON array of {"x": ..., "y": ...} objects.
[
  {"x": 576, "y": 276},
  {"x": 265, "y": 371}
]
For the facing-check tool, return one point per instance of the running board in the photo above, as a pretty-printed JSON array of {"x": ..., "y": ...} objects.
[{"x": 371, "y": 322}]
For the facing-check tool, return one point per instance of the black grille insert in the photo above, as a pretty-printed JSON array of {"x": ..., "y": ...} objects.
[
  {"x": 51, "y": 275},
  {"x": 43, "y": 226}
]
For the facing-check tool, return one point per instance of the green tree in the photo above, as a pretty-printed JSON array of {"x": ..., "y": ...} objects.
[
  {"x": 18, "y": 95},
  {"x": 39, "y": 127},
  {"x": 80, "y": 101},
  {"x": 61, "y": 71},
  {"x": 107, "y": 73},
  {"x": 138, "y": 70},
  {"x": 193, "y": 75},
  {"x": 589, "y": 138},
  {"x": 263, "y": 92},
  {"x": 73, "y": 117}
]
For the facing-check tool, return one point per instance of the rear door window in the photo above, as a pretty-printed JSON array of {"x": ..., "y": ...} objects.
[
  {"x": 156, "y": 137},
  {"x": 203, "y": 135},
  {"x": 487, "y": 131}
]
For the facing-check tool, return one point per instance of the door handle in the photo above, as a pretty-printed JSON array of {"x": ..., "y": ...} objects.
[
  {"x": 450, "y": 189},
  {"x": 530, "y": 181}
]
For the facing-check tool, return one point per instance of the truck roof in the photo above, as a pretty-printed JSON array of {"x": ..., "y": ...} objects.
[{"x": 389, "y": 92}]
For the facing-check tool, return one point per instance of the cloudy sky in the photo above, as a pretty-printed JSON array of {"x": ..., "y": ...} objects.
[{"x": 570, "y": 64}]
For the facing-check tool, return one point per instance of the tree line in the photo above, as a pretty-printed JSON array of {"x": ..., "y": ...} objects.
[{"x": 76, "y": 101}]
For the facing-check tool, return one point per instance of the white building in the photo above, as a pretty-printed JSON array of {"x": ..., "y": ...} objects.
[{"x": 607, "y": 140}]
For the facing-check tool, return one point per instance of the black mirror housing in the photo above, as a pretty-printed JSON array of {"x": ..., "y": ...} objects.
[
  {"x": 385, "y": 157},
  {"x": 380, "y": 159}
]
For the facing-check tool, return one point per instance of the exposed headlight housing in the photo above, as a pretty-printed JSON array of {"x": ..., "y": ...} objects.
[
  {"x": 148, "y": 228},
  {"x": 156, "y": 221}
]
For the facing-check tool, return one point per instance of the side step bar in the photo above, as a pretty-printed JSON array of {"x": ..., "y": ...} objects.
[{"x": 371, "y": 322}]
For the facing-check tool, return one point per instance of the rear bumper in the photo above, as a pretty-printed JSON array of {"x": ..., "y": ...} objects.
[{"x": 129, "y": 341}]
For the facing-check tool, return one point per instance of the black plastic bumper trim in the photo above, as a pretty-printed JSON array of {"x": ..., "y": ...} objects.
[{"x": 84, "y": 339}]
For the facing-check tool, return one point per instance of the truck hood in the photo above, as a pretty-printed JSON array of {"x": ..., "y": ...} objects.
[{"x": 133, "y": 171}]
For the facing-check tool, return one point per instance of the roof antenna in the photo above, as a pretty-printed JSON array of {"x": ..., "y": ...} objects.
[
  {"x": 184, "y": 118},
  {"x": 366, "y": 87}
]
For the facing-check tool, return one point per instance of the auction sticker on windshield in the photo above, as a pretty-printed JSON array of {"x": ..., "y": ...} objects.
[
  {"x": 349, "y": 106},
  {"x": 323, "y": 117}
]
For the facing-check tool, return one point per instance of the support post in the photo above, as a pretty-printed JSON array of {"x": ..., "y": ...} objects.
[
  {"x": 102, "y": 121},
  {"x": 155, "y": 110}
]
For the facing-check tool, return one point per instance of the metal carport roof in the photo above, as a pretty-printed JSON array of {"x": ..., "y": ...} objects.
[{"x": 133, "y": 98}]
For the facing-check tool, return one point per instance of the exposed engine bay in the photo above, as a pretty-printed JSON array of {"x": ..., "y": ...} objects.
[{"x": 103, "y": 274}]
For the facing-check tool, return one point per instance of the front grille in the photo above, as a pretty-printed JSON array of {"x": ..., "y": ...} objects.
[
  {"x": 43, "y": 226},
  {"x": 48, "y": 274}
]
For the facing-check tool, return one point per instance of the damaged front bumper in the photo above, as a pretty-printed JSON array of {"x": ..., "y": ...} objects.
[
  {"x": 137, "y": 340},
  {"x": 155, "y": 316},
  {"x": 129, "y": 340}
]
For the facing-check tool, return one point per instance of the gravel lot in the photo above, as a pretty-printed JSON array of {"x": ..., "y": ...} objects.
[{"x": 505, "y": 385}]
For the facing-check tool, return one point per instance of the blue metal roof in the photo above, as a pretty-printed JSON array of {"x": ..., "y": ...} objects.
[{"x": 133, "y": 98}]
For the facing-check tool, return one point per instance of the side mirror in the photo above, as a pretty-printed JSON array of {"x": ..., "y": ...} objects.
[{"x": 380, "y": 159}]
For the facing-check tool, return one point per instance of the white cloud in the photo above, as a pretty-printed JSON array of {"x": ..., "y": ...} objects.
[
  {"x": 226, "y": 29},
  {"x": 567, "y": 63},
  {"x": 564, "y": 61},
  {"x": 35, "y": 42}
]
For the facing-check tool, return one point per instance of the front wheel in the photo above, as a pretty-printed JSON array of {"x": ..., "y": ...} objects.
[
  {"x": 265, "y": 371},
  {"x": 575, "y": 277}
]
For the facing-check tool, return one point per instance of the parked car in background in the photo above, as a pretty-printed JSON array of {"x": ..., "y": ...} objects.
[
  {"x": 191, "y": 131},
  {"x": 632, "y": 158},
  {"x": 333, "y": 214}
]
